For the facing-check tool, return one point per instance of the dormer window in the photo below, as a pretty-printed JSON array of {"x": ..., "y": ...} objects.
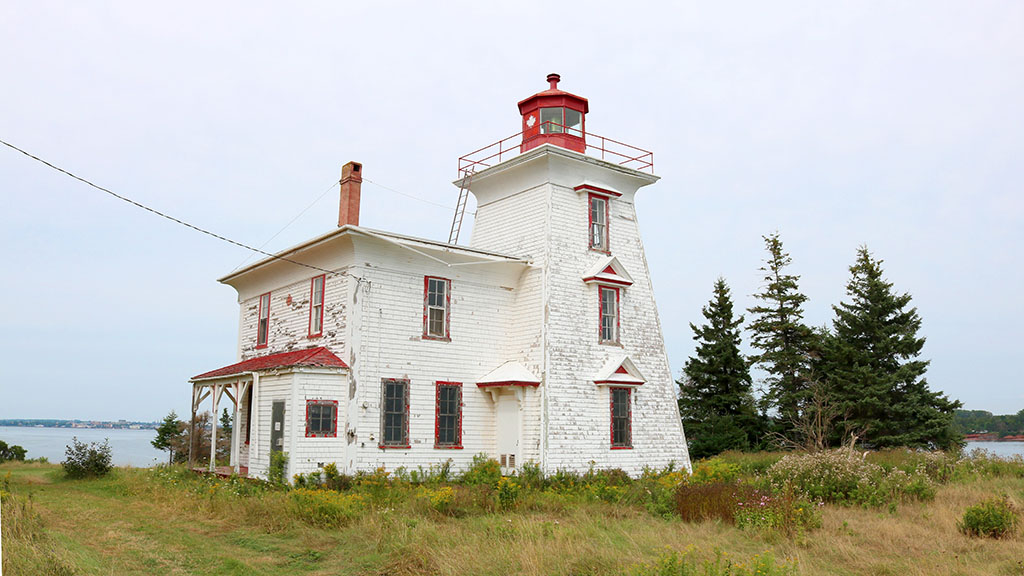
[
  {"x": 558, "y": 120},
  {"x": 598, "y": 219}
]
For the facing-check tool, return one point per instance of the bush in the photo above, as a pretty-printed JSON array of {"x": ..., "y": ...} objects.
[
  {"x": 483, "y": 470},
  {"x": 508, "y": 493},
  {"x": 994, "y": 518},
  {"x": 11, "y": 452},
  {"x": 87, "y": 460},
  {"x": 842, "y": 477},
  {"x": 710, "y": 501},
  {"x": 278, "y": 462},
  {"x": 326, "y": 508},
  {"x": 782, "y": 512},
  {"x": 714, "y": 470}
]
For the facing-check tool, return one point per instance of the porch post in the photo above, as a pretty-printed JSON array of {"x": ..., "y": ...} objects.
[
  {"x": 192, "y": 429},
  {"x": 213, "y": 428}
]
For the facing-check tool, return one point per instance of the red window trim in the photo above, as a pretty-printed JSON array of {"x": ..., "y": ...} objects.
[
  {"x": 334, "y": 420},
  {"x": 259, "y": 318},
  {"x": 437, "y": 410},
  {"x": 447, "y": 309},
  {"x": 629, "y": 417},
  {"x": 600, "y": 315},
  {"x": 323, "y": 299},
  {"x": 607, "y": 224},
  {"x": 405, "y": 433}
]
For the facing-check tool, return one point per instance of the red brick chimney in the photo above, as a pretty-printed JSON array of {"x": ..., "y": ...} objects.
[{"x": 351, "y": 181}]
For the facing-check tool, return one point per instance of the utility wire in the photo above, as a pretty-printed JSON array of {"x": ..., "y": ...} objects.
[
  {"x": 161, "y": 214},
  {"x": 297, "y": 216},
  {"x": 448, "y": 208}
]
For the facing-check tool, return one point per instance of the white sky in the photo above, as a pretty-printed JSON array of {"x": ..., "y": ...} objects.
[{"x": 893, "y": 124}]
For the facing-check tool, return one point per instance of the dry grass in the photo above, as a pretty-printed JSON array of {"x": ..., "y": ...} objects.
[{"x": 131, "y": 525}]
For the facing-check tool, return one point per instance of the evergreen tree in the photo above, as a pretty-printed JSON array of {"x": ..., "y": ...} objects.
[
  {"x": 166, "y": 434},
  {"x": 784, "y": 342},
  {"x": 225, "y": 423},
  {"x": 872, "y": 364},
  {"x": 716, "y": 399}
]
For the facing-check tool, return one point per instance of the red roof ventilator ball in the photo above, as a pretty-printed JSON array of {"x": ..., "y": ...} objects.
[{"x": 554, "y": 117}]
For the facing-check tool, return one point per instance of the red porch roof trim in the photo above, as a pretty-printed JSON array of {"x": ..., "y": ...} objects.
[
  {"x": 316, "y": 357},
  {"x": 507, "y": 383}
]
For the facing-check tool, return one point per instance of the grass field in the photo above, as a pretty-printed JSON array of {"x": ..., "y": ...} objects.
[{"x": 169, "y": 521}]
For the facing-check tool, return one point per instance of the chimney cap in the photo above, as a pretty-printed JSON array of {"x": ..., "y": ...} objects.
[{"x": 553, "y": 80}]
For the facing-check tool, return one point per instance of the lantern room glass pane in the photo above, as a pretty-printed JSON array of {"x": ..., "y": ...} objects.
[
  {"x": 573, "y": 122},
  {"x": 551, "y": 121}
]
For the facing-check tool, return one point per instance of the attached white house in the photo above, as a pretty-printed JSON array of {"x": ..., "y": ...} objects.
[{"x": 538, "y": 342}]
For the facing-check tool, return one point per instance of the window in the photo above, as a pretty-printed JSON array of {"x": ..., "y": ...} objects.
[
  {"x": 316, "y": 307},
  {"x": 609, "y": 314},
  {"x": 394, "y": 421},
  {"x": 622, "y": 418},
  {"x": 598, "y": 219},
  {"x": 559, "y": 120},
  {"x": 448, "y": 415},
  {"x": 321, "y": 418},
  {"x": 263, "y": 327},
  {"x": 436, "y": 299}
]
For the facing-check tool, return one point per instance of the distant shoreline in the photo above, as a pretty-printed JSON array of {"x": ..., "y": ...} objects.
[{"x": 79, "y": 424}]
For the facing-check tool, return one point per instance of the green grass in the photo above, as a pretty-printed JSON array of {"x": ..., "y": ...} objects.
[{"x": 173, "y": 522}]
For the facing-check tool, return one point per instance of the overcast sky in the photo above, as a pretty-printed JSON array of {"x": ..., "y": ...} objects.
[{"x": 898, "y": 125}]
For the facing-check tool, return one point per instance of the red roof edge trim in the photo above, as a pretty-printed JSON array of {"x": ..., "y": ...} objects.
[
  {"x": 316, "y": 357},
  {"x": 507, "y": 383}
]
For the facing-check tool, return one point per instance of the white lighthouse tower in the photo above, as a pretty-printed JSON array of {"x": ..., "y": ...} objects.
[{"x": 584, "y": 320}]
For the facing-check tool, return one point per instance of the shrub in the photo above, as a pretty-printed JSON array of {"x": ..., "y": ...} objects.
[
  {"x": 530, "y": 476},
  {"x": 843, "y": 477},
  {"x": 278, "y": 462},
  {"x": 442, "y": 499},
  {"x": 326, "y": 508},
  {"x": 714, "y": 470},
  {"x": 483, "y": 470},
  {"x": 87, "y": 460},
  {"x": 11, "y": 452},
  {"x": 994, "y": 518},
  {"x": 709, "y": 501},
  {"x": 508, "y": 493},
  {"x": 782, "y": 512}
]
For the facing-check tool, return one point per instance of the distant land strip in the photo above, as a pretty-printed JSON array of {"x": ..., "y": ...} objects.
[{"x": 52, "y": 423}]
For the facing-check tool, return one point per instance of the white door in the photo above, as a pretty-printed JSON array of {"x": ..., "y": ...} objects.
[{"x": 508, "y": 432}]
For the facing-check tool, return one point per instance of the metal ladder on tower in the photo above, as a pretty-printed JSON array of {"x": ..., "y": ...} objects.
[{"x": 460, "y": 207}]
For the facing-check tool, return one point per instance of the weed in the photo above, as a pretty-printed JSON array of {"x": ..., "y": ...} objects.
[{"x": 993, "y": 518}]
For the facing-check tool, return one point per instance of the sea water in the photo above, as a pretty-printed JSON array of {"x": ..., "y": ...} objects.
[{"x": 127, "y": 447}]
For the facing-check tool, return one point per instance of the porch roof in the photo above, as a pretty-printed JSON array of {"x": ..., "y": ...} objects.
[{"x": 319, "y": 356}]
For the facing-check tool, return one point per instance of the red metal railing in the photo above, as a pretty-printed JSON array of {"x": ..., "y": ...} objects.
[{"x": 597, "y": 146}]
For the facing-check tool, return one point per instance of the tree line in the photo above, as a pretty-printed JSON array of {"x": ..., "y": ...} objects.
[
  {"x": 859, "y": 380},
  {"x": 981, "y": 421}
]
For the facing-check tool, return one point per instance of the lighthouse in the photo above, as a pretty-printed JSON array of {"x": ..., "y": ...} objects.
[{"x": 585, "y": 320}]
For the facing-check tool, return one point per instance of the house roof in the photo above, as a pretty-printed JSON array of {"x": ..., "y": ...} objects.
[
  {"x": 319, "y": 357},
  {"x": 400, "y": 239}
]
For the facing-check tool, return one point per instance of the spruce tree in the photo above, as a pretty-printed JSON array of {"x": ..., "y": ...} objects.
[
  {"x": 166, "y": 434},
  {"x": 716, "y": 399},
  {"x": 873, "y": 366},
  {"x": 784, "y": 342}
]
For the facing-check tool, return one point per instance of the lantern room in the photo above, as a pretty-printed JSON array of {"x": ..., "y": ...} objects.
[{"x": 554, "y": 117}]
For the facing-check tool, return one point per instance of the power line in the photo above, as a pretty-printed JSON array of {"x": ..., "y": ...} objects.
[
  {"x": 161, "y": 214},
  {"x": 449, "y": 208},
  {"x": 297, "y": 216}
]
